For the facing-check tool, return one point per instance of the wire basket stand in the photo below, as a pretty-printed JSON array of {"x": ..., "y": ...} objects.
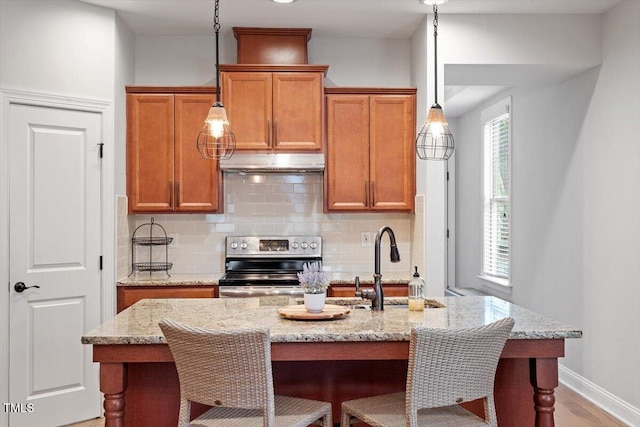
[{"x": 152, "y": 238}]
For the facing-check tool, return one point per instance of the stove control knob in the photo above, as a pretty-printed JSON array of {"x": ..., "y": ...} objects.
[
  {"x": 313, "y": 245},
  {"x": 243, "y": 245},
  {"x": 295, "y": 245},
  {"x": 304, "y": 245},
  {"x": 234, "y": 245}
]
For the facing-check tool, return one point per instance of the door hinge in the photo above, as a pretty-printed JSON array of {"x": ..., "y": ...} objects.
[
  {"x": 447, "y": 175},
  {"x": 447, "y": 233},
  {"x": 100, "y": 149},
  {"x": 100, "y": 262}
]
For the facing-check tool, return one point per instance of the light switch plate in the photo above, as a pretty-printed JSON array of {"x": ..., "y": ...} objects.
[{"x": 365, "y": 239}]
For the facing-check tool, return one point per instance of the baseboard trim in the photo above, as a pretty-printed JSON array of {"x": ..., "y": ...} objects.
[{"x": 617, "y": 407}]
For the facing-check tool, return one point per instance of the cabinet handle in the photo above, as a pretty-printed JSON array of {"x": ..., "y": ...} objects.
[
  {"x": 170, "y": 194},
  {"x": 366, "y": 193},
  {"x": 275, "y": 135},
  {"x": 268, "y": 132},
  {"x": 373, "y": 193},
  {"x": 177, "y": 194}
]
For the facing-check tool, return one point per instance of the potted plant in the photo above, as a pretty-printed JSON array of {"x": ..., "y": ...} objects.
[{"x": 314, "y": 282}]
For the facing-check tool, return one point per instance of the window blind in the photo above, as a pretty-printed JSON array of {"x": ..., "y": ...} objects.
[{"x": 497, "y": 191}]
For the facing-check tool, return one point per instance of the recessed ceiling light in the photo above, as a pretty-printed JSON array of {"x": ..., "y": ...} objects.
[
  {"x": 283, "y": 1},
  {"x": 431, "y": 2}
]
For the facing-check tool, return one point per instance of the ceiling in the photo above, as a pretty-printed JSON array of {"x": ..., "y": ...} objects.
[
  {"x": 466, "y": 88},
  {"x": 327, "y": 18}
]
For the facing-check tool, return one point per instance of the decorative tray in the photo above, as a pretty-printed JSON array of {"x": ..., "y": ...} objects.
[{"x": 298, "y": 312}]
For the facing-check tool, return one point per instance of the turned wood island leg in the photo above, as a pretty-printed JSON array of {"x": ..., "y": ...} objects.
[
  {"x": 544, "y": 379},
  {"x": 113, "y": 383}
]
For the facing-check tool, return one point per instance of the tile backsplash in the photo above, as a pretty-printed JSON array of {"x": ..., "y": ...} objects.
[{"x": 278, "y": 204}]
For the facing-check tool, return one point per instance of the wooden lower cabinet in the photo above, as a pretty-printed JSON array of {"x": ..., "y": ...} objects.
[
  {"x": 348, "y": 291},
  {"x": 129, "y": 295}
]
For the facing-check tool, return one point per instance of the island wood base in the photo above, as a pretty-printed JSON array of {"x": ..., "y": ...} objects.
[{"x": 141, "y": 387}]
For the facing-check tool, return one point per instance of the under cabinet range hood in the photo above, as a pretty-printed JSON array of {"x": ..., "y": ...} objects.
[{"x": 273, "y": 163}]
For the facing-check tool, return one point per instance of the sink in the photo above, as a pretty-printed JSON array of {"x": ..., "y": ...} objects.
[{"x": 358, "y": 303}]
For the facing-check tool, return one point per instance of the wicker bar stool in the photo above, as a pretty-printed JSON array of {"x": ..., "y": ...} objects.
[
  {"x": 446, "y": 367},
  {"x": 230, "y": 370}
]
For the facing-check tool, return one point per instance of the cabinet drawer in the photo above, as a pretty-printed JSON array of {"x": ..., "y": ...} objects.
[{"x": 129, "y": 295}]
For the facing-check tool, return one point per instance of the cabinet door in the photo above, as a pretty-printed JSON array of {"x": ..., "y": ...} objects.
[
  {"x": 392, "y": 126},
  {"x": 247, "y": 99},
  {"x": 297, "y": 111},
  {"x": 347, "y": 169},
  {"x": 150, "y": 152},
  {"x": 197, "y": 181}
]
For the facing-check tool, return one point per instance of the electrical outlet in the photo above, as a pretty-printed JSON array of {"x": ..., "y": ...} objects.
[{"x": 365, "y": 239}]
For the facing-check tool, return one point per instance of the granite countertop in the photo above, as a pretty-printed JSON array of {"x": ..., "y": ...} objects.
[
  {"x": 176, "y": 279},
  {"x": 138, "y": 324},
  {"x": 182, "y": 279}
]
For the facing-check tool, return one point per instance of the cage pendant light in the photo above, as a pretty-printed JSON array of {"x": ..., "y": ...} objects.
[
  {"x": 216, "y": 140},
  {"x": 435, "y": 142}
]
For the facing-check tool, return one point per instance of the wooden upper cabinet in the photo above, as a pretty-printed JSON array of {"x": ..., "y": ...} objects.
[
  {"x": 347, "y": 167},
  {"x": 274, "y": 108},
  {"x": 392, "y": 128},
  {"x": 150, "y": 152},
  {"x": 197, "y": 180},
  {"x": 297, "y": 111},
  {"x": 247, "y": 99},
  {"x": 165, "y": 172},
  {"x": 370, "y": 150}
]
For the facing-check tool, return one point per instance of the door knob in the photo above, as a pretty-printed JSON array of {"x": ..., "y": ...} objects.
[{"x": 20, "y": 287}]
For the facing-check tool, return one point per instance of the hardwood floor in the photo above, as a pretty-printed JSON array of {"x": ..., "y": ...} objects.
[{"x": 572, "y": 410}]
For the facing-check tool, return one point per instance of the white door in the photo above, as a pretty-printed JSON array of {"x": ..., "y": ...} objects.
[{"x": 55, "y": 241}]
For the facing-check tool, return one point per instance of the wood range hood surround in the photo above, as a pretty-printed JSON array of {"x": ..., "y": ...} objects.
[{"x": 258, "y": 45}]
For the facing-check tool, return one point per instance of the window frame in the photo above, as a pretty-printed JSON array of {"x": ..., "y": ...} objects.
[{"x": 496, "y": 110}]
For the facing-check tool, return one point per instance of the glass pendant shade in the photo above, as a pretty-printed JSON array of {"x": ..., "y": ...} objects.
[
  {"x": 215, "y": 140},
  {"x": 435, "y": 141}
]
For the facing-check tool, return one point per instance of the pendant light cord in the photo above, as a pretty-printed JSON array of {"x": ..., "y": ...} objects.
[
  {"x": 216, "y": 28},
  {"x": 435, "y": 50}
]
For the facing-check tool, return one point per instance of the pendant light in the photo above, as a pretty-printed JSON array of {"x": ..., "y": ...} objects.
[
  {"x": 435, "y": 142},
  {"x": 215, "y": 140}
]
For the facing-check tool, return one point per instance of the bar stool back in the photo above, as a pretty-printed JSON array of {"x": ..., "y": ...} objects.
[
  {"x": 446, "y": 367},
  {"x": 230, "y": 370}
]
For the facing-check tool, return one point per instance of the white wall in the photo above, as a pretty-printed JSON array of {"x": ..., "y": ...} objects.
[
  {"x": 576, "y": 204},
  {"x": 363, "y": 62},
  {"x": 67, "y": 49},
  {"x": 190, "y": 60},
  {"x": 519, "y": 39},
  {"x": 124, "y": 60},
  {"x": 62, "y": 47}
]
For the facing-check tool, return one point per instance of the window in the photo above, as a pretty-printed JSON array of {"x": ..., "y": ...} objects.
[{"x": 496, "y": 185}]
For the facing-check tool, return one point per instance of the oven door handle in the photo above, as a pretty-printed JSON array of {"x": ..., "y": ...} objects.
[{"x": 253, "y": 292}]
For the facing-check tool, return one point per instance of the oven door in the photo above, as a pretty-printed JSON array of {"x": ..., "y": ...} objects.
[{"x": 249, "y": 291}]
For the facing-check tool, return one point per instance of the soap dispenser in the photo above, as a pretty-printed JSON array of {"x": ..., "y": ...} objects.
[{"x": 416, "y": 292}]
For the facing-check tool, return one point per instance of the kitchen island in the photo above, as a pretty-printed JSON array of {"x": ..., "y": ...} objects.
[{"x": 361, "y": 355}]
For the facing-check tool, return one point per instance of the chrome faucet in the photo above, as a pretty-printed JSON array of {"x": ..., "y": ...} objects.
[{"x": 376, "y": 295}]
